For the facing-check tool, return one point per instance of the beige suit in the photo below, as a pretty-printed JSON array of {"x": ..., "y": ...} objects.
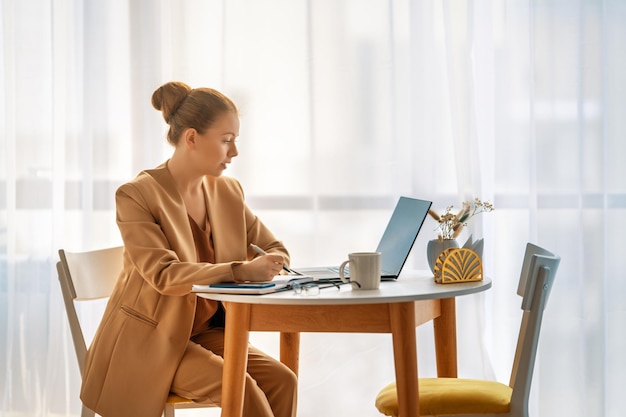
[{"x": 146, "y": 327}]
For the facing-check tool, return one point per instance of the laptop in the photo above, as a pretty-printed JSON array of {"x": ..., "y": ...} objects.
[{"x": 395, "y": 244}]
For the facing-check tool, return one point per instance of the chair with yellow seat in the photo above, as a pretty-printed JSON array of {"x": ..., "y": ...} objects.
[
  {"x": 88, "y": 276},
  {"x": 467, "y": 397}
]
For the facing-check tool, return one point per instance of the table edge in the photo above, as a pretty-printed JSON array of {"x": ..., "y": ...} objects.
[{"x": 362, "y": 298}]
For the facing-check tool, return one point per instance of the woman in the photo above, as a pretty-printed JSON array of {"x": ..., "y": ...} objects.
[{"x": 183, "y": 223}]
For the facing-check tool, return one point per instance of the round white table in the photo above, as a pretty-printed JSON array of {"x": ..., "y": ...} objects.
[{"x": 397, "y": 307}]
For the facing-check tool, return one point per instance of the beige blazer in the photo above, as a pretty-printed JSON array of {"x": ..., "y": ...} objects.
[{"x": 147, "y": 323}]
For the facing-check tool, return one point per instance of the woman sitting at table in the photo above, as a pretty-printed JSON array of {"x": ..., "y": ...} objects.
[{"x": 183, "y": 223}]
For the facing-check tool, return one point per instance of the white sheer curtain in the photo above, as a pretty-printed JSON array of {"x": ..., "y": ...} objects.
[{"x": 345, "y": 105}]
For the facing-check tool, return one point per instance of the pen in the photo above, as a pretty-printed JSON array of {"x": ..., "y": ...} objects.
[{"x": 262, "y": 252}]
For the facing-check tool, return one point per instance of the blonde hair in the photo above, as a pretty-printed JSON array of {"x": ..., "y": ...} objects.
[{"x": 183, "y": 107}]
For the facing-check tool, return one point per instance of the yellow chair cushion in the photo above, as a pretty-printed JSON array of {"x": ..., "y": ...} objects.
[{"x": 451, "y": 396}]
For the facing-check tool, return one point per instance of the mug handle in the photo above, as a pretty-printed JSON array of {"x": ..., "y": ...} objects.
[{"x": 342, "y": 267}]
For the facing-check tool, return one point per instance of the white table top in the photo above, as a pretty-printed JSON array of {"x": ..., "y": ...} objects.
[{"x": 410, "y": 286}]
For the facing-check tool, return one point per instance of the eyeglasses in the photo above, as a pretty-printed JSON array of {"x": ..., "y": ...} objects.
[{"x": 310, "y": 289}]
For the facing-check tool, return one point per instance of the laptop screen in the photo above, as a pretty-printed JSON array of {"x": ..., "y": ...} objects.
[{"x": 400, "y": 234}]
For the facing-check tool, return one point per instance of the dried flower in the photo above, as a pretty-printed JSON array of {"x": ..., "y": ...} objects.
[{"x": 451, "y": 225}]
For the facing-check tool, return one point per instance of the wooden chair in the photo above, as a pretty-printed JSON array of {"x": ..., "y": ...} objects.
[
  {"x": 87, "y": 276},
  {"x": 467, "y": 397}
]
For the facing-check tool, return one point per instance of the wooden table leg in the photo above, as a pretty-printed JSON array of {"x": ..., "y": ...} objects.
[
  {"x": 445, "y": 339},
  {"x": 402, "y": 320},
  {"x": 290, "y": 350},
  {"x": 236, "y": 336}
]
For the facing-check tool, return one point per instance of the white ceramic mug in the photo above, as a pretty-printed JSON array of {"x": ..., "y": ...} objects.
[{"x": 364, "y": 270}]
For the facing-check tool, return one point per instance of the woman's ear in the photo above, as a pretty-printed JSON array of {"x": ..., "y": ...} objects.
[{"x": 190, "y": 137}]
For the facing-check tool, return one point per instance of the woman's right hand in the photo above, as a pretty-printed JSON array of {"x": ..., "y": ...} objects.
[{"x": 261, "y": 268}]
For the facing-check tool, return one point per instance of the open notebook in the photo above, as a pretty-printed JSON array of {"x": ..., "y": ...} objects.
[{"x": 279, "y": 283}]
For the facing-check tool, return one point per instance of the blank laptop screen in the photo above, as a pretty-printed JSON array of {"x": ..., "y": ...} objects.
[{"x": 400, "y": 234}]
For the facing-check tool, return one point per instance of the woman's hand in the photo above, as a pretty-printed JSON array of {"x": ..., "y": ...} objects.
[{"x": 261, "y": 268}]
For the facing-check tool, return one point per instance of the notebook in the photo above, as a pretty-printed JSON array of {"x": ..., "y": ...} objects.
[
  {"x": 280, "y": 283},
  {"x": 240, "y": 288},
  {"x": 395, "y": 244}
]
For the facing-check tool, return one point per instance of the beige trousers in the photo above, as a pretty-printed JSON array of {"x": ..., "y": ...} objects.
[{"x": 270, "y": 390}]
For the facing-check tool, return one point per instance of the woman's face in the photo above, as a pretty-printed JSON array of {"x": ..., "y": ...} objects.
[{"x": 215, "y": 148}]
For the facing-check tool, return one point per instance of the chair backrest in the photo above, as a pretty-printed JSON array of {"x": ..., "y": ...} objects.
[
  {"x": 86, "y": 276},
  {"x": 536, "y": 279}
]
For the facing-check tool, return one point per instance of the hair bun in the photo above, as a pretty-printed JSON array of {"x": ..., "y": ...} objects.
[{"x": 168, "y": 98}]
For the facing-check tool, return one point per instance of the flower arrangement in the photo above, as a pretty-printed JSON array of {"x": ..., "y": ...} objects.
[{"x": 451, "y": 225}]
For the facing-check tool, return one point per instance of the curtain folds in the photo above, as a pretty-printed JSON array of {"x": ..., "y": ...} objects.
[{"x": 345, "y": 106}]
